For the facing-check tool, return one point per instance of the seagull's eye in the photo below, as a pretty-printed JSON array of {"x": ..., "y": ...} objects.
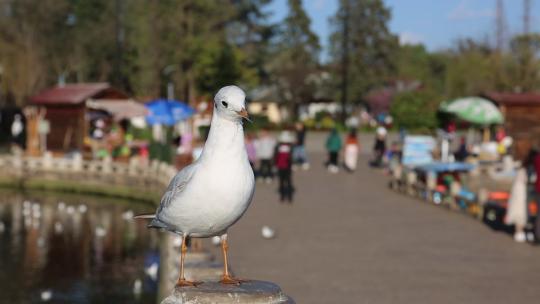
[{"x": 225, "y": 104}]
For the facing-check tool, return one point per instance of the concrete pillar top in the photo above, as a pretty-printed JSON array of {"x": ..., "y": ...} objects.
[{"x": 253, "y": 292}]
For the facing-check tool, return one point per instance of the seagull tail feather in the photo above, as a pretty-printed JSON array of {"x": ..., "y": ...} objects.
[{"x": 145, "y": 216}]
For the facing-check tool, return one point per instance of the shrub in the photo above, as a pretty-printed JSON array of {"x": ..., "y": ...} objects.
[{"x": 415, "y": 110}]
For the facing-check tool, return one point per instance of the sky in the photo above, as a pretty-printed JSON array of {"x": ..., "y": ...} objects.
[{"x": 435, "y": 23}]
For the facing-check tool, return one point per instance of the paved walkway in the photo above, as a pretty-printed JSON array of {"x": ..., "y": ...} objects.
[{"x": 348, "y": 239}]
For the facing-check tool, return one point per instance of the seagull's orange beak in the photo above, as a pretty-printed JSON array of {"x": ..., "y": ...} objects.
[{"x": 243, "y": 113}]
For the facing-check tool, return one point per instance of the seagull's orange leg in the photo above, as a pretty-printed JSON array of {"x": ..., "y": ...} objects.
[
  {"x": 227, "y": 278},
  {"x": 182, "y": 282}
]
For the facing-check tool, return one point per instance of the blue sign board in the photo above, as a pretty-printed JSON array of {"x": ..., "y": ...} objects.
[{"x": 417, "y": 150}]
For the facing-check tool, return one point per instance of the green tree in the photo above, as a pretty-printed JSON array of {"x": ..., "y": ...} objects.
[
  {"x": 27, "y": 38},
  {"x": 154, "y": 31},
  {"x": 251, "y": 33},
  {"x": 95, "y": 37},
  {"x": 138, "y": 45},
  {"x": 44, "y": 41},
  {"x": 199, "y": 45},
  {"x": 523, "y": 64},
  {"x": 217, "y": 66},
  {"x": 295, "y": 58},
  {"x": 370, "y": 45},
  {"x": 471, "y": 69},
  {"x": 414, "y": 62},
  {"x": 416, "y": 110}
]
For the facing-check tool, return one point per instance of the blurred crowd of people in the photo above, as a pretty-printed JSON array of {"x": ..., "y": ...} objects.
[
  {"x": 335, "y": 147},
  {"x": 279, "y": 156},
  {"x": 270, "y": 157}
]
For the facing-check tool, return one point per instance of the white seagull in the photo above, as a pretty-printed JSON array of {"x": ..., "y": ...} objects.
[{"x": 207, "y": 197}]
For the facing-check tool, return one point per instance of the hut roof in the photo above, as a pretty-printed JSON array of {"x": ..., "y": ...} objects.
[
  {"x": 72, "y": 94},
  {"x": 119, "y": 108}
]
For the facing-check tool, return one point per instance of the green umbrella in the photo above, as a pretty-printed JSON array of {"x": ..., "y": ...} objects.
[{"x": 475, "y": 110}]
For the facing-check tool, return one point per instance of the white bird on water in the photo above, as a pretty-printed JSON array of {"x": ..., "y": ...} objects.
[{"x": 207, "y": 197}]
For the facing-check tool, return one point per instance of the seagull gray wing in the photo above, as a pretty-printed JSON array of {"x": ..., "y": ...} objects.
[{"x": 177, "y": 185}]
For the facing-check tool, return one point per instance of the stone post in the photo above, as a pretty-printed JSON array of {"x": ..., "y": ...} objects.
[
  {"x": 199, "y": 266},
  {"x": 133, "y": 166},
  {"x": 47, "y": 160},
  {"x": 18, "y": 162},
  {"x": 154, "y": 170},
  {"x": 106, "y": 164},
  {"x": 163, "y": 173},
  {"x": 77, "y": 162},
  {"x": 252, "y": 292},
  {"x": 167, "y": 266}
]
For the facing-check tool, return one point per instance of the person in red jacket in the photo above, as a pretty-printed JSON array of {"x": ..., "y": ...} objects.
[{"x": 283, "y": 162}]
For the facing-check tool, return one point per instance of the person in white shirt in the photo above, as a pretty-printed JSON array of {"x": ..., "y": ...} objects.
[{"x": 265, "y": 146}]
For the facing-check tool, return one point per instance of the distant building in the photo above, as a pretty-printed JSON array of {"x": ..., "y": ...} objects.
[
  {"x": 521, "y": 113},
  {"x": 65, "y": 110},
  {"x": 270, "y": 101},
  {"x": 266, "y": 101}
]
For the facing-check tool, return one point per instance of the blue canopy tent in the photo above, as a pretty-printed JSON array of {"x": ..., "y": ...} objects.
[
  {"x": 164, "y": 112},
  {"x": 167, "y": 112}
]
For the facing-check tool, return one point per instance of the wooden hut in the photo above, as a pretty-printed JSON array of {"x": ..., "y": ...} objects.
[
  {"x": 522, "y": 119},
  {"x": 65, "y": 109}
]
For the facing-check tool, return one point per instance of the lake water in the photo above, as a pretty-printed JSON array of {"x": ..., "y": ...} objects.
[{"x": 75, "y": 249}]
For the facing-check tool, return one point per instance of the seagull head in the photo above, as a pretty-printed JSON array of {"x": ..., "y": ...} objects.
[{"x": 230, "y": 103}]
